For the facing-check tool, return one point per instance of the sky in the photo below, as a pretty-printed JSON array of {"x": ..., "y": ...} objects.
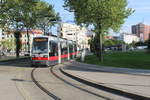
[{"x": 141, "y": 14}]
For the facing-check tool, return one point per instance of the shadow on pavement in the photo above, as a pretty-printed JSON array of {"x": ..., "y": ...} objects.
[
  {"x": 76, "y": 68},
  {"x": 20, "y": 80},
  {"x": 137, "y": 72},
  {"x": 83, "y": 69},
  {"x": 25, "y": 62}
]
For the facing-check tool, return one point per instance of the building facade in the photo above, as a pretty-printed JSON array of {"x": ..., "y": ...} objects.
[
  {"x": 142, "y": 31},
  {"x": 129, "y": 38},
  {"x": 76, "y": 33},
  {"x": 9, "y": 38}
]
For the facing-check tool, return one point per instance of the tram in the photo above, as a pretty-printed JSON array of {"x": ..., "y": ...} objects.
[{"x": 48, "y": 50}]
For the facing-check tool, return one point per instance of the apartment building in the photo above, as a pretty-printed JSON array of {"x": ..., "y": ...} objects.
[
  {"x": 141, "y": 30},
  {"x": 76, "y": 33},
  {"x": 129, "y": 38},
  {"x": 9, "y": 36}
]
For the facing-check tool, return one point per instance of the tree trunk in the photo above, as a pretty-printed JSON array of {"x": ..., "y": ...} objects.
[
  {"x": 96, "y": 46},
  {"x": 149, "y": 44},
  {"x": 28, "y": 41},
  {"x": 100, "y": 41},
  {"x": 17, "y": 35},
  {"x": 100, "y": 48}
]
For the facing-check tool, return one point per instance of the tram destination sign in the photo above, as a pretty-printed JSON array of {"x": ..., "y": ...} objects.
[{"x": 41, "y": 39}]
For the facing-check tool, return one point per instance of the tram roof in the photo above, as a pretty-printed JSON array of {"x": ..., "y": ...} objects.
[{"x": 54, "y": 37}]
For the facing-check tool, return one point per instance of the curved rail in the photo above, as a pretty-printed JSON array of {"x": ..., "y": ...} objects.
[
  {"x": 108, "y": 89},
  {"x": 82, "y": 89},
  {"x": 42, "y": 88}
]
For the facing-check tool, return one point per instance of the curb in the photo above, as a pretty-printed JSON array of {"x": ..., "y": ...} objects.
[
  {"x": 113, "y": 69},
  {"x": 105, "y": 88},
  {"x": 14, "y": 59},
  {"x": 108, "y": 71}
]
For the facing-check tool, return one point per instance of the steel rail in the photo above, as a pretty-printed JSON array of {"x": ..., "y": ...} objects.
[{"x": 42, "y": 88}]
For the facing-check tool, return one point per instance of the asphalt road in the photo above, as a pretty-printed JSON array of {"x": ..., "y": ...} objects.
[{"x": 17, "y": 84}]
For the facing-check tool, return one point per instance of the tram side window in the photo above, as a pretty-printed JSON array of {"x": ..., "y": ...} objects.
[
  {"x": 53, "y": 49},
  {"x": 71, "y": 48},
  {"x": 63, "y": 48},
  {"x": 75, "y": 48},
  {"x": 50, "y": 49}
]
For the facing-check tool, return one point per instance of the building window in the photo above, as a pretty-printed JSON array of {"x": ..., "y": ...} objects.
[{"x": 69, "y": 34}]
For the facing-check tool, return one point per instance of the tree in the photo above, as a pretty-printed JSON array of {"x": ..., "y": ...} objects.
[
  {"x": 8, "y": 44},
  {"x": 111, "y": 42},
  {"x": 25, "y": 14},
  {"x": 28, "y": 16},
  {"x": 5, "y": 6},
  {"x": 15, "y": 16},
  {"x": 46, "y": 16},
  {"x": 102, "y": 14},
  {"x": 17, "y": 35},
  {"x": 149, "y": 44}
]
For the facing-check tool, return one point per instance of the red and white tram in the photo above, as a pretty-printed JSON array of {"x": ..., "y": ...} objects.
[{"x": 46, "y": 50}]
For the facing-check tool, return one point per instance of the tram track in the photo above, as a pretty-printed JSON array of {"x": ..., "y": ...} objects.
[
  {"x": 56, "y": 82},
  {"x": 42, "y": 88},
  {"x": 110, "y": 89},
  {"x": 45, "y": 90},
  {"x": 75, "y": 86}
]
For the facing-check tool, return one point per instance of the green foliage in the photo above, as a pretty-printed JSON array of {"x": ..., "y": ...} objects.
[
  {"x": 26, "y": 14},
  {"x": 102, "y": 14},
  {"x": 111, "y": 42},
  {"x": 4, "y": 8},
  {"x": 45, "y": 16},
  {"x": 137, "y": 60},
  {"x": 141, "y": 43},
  {"x": 132, "y": 44},
  {"x": 8, "y": 44}
]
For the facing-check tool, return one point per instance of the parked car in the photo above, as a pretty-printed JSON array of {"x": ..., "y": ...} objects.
[
  {"x": 141, "y": 47},
  {"x": 27, "y": 53}
]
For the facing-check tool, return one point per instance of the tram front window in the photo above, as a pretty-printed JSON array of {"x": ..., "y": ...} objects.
[{"x": 40, "y": 45}]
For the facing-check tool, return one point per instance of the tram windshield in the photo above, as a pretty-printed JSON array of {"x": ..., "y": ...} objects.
[{"x": 40, "y": 45}]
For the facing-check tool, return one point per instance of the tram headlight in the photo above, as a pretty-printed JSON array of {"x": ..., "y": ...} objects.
[{"x": 33, "y": 56}]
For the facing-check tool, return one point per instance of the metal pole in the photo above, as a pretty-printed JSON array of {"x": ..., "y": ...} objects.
[
  {"x": 59, "y": 49},
  {"x": 68, "y": 50},
  {"x": 76, "y": 44},
  {"x": 73, "y": 50}
]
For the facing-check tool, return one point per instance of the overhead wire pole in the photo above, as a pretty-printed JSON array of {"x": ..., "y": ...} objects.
[
  {"x": 76, "y": 41},
  {"x": 68, "y": 50},
  {"x": 59, "y": 48}
]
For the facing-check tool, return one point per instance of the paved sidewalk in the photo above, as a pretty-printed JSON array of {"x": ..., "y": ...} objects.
[
  {"x": 2, "y": 58},
  {"x": 130, "y": 80},
  {"x": 7, "y": 58},
  {"x": 8, "y": 88},
  {"x": 113, "y": 69}
]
